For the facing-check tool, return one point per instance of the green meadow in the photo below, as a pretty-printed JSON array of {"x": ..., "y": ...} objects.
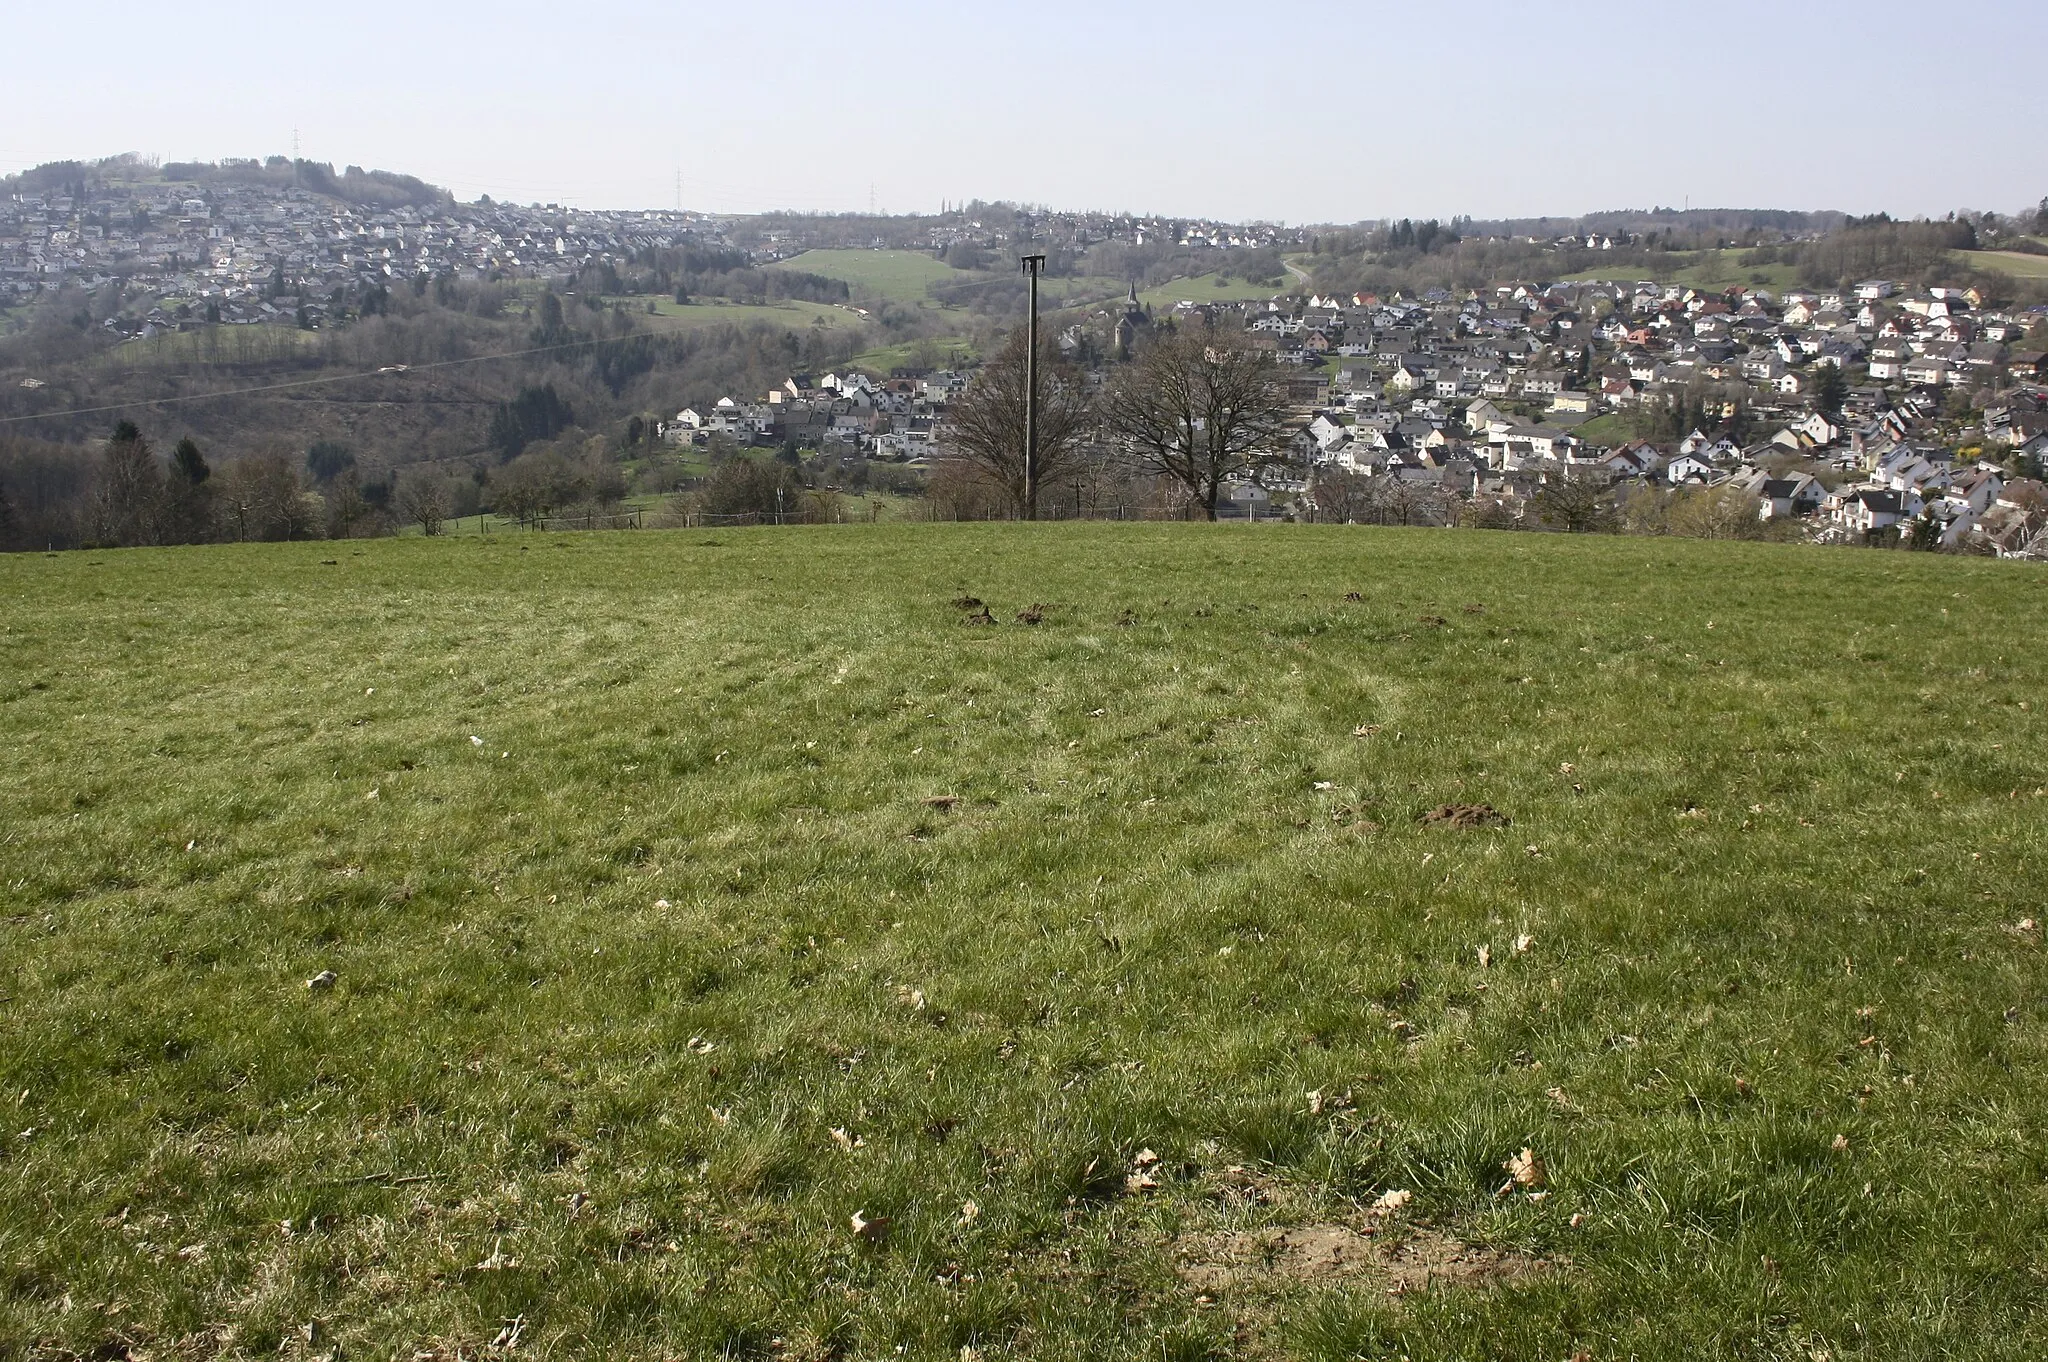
[
  {"x": 2018, "y": 264},
  {"x": 707, "y": 945},
  {"x": 898, "y": 276},
  {"x": 792, "y": 312},
  {"x": 1211, "y": 288}
]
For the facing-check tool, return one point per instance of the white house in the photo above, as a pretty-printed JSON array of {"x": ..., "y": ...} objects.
[{"x": 1691, "y": 467}]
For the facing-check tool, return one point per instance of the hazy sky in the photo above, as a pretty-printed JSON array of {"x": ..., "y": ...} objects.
[{"x": 1332, "y": 113}]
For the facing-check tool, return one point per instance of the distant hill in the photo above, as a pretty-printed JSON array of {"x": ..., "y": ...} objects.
[
  {"x": 1706, "y": 225},
  {"x": 367, "y": 188}
]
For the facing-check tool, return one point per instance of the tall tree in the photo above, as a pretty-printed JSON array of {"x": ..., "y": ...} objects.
[
  {"x": 346, "y": 507},
  {"x": 1200, "y": 408},
  {"x": 1832, "y": 390},
  {"x": 536, "y": 413},
  {"x": 188, "y": 463},
  {"x": 984, "y": 427},
  {"x": 188, "y": 498},
  {"x": 326, "y": 460},
  {"x": 128, "y": 503}
]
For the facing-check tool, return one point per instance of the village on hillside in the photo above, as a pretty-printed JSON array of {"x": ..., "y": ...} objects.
[
  {"x": 245, "y": 252},
  {"x": 248, "y": 254},
  {"x": 1853, "y": 414},
  {"x": 1875, "y": 413}
]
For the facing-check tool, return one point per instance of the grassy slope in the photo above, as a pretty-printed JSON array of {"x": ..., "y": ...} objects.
[
  {"x": 714, "y": 312},
  {"x": 901, "y": 276},
  {"x": 2016, "y": 263},
  {"x": 884, "y": 359},
  {"x": 1208, "y": 288},
  {"x": 1755, "y": 791}
]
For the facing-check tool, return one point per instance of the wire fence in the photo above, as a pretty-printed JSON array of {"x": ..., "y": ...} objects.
[{"x": 638, "y": 518}]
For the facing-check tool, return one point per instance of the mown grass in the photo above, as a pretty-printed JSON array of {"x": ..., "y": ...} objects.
[{"x": 620, "y": 850}]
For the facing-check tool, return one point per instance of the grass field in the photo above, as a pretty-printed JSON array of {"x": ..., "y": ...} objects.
[
  {"x": 2018, "y": 264},
  {"x": 900, "y": 276},
  {"x": 258, "y": 343},
  {"x": 1612, "y": 428},
  {"x": 942, "y": 351},
  {"x": 1210, "y": 288},
  {"x": 672, "y": 315},
  {"x": 691, "y": 899}
]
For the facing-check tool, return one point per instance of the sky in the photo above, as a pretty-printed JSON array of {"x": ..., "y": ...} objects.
[{"x": 1347, "y": 112}]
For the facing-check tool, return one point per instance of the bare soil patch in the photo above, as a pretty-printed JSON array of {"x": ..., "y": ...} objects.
[
  {"x": 1404, "y": 1262},
  {"x": 1465, "y": 816}
]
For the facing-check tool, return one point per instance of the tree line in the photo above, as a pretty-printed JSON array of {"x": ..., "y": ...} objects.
[{"x": 1196, "y": 409}]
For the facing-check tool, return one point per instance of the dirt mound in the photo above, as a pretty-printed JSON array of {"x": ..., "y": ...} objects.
[
  {"x": 1412, "y": 1261},
  {"x": 1465, "y": 816}
]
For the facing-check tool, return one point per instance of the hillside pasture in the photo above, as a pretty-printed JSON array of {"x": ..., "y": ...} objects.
[
  {"x": 1211, "y": 288},
  {"x": 792, "y": 312},
  {"x": 1302, "y": 942},
  {"x": 2018, "y": 264},
  {"x": 896, "y": 276}
]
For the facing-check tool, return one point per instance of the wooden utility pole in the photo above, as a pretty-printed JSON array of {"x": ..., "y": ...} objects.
[{"x": 1032, "y": 265}]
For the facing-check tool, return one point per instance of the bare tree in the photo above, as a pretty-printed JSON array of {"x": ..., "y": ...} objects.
[
  {"x": 1340, "y": 497},
  {"x": 128, "y": 499},
  {"x": 1486, "y": 511},
  {"x": 423, "y": 498},
  {"x": 536, "y": 484},
  {"x": 1723, "y": 512},
  {"x": 1645, "y": 511},
  {"x": 264, "y": 499},
  {"x": 1404, "y": 502},
  {"x": 958, "y": 490},
  {"x": 1575, "y": 500},
  {"x": 984, "y": 426},
  {"x": 346, "y": 507},
  {"x": 1199, "y": 407}
]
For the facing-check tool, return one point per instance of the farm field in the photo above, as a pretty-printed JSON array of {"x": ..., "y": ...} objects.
[{"x": 718, "y": 949}]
